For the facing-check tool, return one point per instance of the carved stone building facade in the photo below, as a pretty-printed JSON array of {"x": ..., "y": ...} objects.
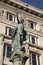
[{"x": 33, "y": 24}]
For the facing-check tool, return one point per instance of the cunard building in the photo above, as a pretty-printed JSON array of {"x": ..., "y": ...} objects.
[{"x": 33, "y": 25}]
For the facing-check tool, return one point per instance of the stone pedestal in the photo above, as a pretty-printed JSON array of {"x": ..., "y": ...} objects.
[
  {"x": 18, "y": 58},
  {"x": 17, "y": 61}
]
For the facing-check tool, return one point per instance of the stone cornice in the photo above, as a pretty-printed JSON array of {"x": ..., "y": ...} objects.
[
  {"x": 24, "y": 7},
  {"x": 34, "y": 47}
]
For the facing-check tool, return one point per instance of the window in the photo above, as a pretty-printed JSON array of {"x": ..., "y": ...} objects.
[
  {"x": 33, "y": 39},
  {"x": 32, "y": 24},
  {"x": 8, "y": 31},
  {"x": 34, "y": 59},
  {"x": 10, "y": 16},
  {"x": 7, "y": 51},
  {"x": 1, "y": 13}
]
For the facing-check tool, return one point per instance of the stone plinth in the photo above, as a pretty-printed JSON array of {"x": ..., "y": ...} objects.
[
  {"x": 18, "y": 58},
  {"x": 17, "y": 61}
]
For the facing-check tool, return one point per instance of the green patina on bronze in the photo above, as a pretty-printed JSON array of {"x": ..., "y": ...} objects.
[{"x": 18, "y": 36}]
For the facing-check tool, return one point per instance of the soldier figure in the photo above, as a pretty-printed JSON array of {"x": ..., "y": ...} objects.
[{"x": 17, "y": 36}]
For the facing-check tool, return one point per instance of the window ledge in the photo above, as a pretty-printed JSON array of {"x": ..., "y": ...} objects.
[
  {"x": 34, "y": 47},
  {"x": 36, "y": 32}
]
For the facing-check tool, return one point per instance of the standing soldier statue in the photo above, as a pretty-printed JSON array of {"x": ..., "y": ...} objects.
[{"x": 18, "y": 36}]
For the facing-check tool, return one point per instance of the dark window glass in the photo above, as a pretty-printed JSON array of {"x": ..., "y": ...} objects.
[
  {"x": 10, "y": 17},
  {"x": 34, "y": 63},
  {"x": 33, "y": 56},
  {"x": 34, "y": 59},
  {"x": 6, "y": 31},
  {"x": 31, "y": 25},
  {"x": 10, "y": 31},
  {"x": 33, "y": 40},
  {"x": 9, "y": 52},
  {"x": 7, "y": 16},
  {"x": 38, "y": 60},
  {"x": 4, "y": 50}
]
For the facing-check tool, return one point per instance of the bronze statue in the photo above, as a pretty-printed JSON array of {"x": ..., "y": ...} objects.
[{"x": 18, "y": 36}]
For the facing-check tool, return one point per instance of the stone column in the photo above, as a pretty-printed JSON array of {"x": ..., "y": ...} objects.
[
  {"x": 1, "y": 49},
  {"x": 17, "y": 61},
  {"x": 18, "y": 58}
]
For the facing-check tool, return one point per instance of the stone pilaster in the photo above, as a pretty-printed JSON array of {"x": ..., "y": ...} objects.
[
  {"x": 1, "y": 49},
  {"x": 26, "y": 45},
  {"x": 18, "y": 58}
]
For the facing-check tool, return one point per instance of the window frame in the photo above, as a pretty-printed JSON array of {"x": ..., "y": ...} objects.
[
  {"x": 34, "y": 24},
  {"x": 8, "y": 16},
  {"x": 5, "y": 52},
  {"x": 37, "y": 59},
  {"x": 7, "y": 31},
  {"x": 35, "y": 39}
]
